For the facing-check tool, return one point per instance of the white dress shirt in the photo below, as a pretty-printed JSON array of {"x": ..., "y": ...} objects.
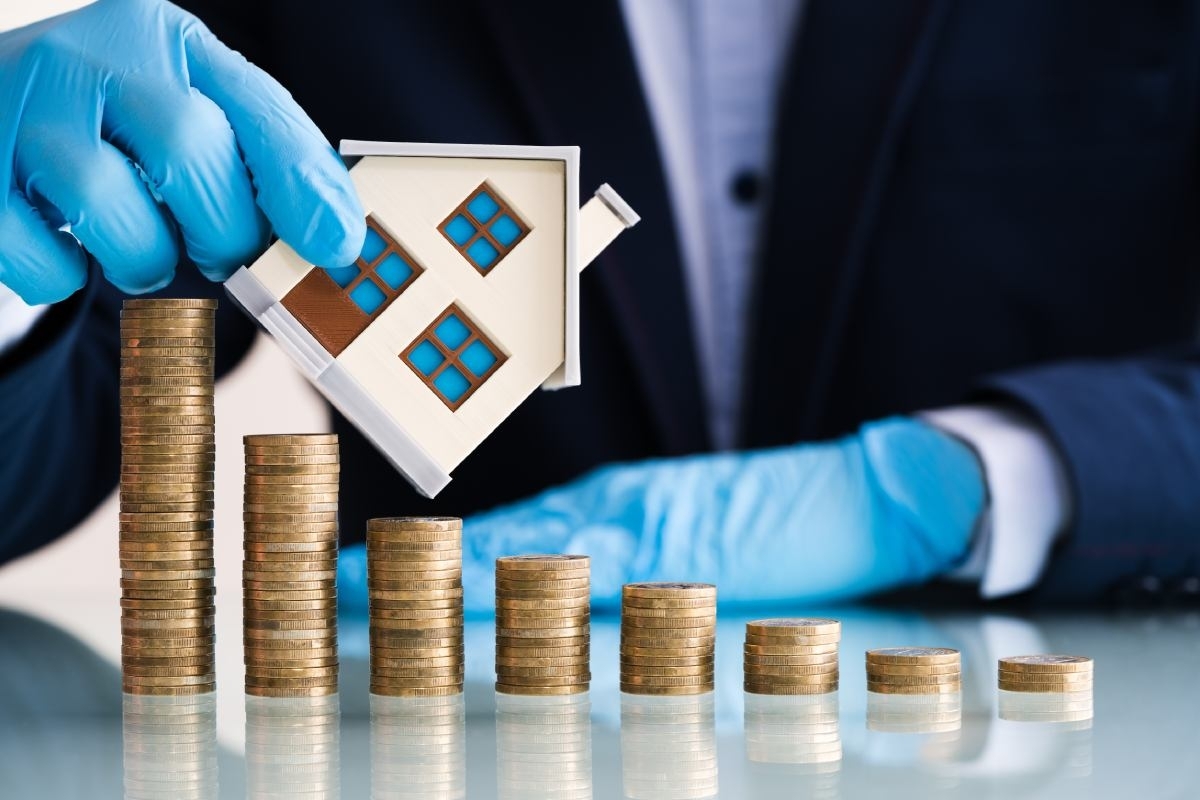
[{"x": 711, "y": 71}]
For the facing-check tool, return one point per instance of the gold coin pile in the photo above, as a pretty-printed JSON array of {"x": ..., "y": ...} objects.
[
  {"x": 668, "y": 638},
  {"x": 801, "y": 729},
  {"x": 544, "y": 747},
  {"x": 418, "y": 748},
  {"x": 914, "y": 670},
  {"x": 791, "y": 656},
  {"x": 668, "y": 747},
  {"x": 415, "y": 600},
  {"x": 1047, "y": 673},
  {"x": 170, "y": 747},
  {"x": 289, "y": 575},
  {"x": 543, "y": 624},
  {"x": 166, "y": 521},
  {"x": 292, "y": 747}
]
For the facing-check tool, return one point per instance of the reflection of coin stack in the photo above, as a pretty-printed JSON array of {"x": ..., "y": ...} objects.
[
  {"x": 794, "y": 741},
  {"x": 292, "y": 747},
  {"x": 914, "y": 670},
  {"x": 1070, "y": 675},
  {"x": 914, "y": 713},
  {"x": 418, "y": 748},
  {"x": 792, "y": 656},
  {"x": 668, "y": 638},
  {"x": 170, "y": 747},
  {"x": 668, "y": 747},
  {"x": 414, "y": 580},
  {"x": 166, "y": 525},
  {"x": 290, "y": 571},
  {"x": 544, "y": 747},
  {"x": 543, "y": 624}
]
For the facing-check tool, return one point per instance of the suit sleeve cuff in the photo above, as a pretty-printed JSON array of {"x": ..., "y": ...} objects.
[{"x": 1029, "y": 491}]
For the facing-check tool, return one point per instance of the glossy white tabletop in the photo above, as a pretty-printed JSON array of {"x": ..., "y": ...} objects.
[{"x": 62, "y": 733}]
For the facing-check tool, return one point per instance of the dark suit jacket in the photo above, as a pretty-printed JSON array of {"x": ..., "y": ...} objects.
[{"x": 991, "y": 199}]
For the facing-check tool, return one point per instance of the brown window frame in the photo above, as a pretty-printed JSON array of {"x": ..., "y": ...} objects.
[
  {"x": 481, "y": 228},
  {"x": 367, "y": 271},
  {"x": 452, "y": 356}
]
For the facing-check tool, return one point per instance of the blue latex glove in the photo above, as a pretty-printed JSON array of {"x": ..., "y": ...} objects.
[
  {"x": 893, "y": 505},
  {"x": 128, "y": 121}
]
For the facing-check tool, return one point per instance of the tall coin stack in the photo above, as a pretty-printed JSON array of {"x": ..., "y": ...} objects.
[
  {"x": 791, "y": 656},
  {"x": 290, "y": 568},
  {"x": 166, "y": 523},
  {"x": 415, "y": 597},
  {"x": 543, "y": 624},
  {"x": 668, "y": 638},
  {"x": 1047, "y": 673},
  {"x": 914, "y": 670}
]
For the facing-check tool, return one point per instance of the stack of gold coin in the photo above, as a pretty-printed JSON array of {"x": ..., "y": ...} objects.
[
  {"x": 792, "y": 656},
  {"x": 170, "y": 747},
  {"x": 292, "y": 747},
  {"x": 914, "y": 670},
  {"x": 289, "y": 575},
  {"x": 543, "y": 624},
  {"x": 668, "y": 638},
  {"x": 1047, "y": 673},
  {"x": 166, "y": 522},
  {"x": 415, "y": 597}
]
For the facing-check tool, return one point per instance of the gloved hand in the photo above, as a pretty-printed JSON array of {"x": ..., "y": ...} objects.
[
  {"x": 894, "y": 504},
  {"x": 128, "y": 121}
]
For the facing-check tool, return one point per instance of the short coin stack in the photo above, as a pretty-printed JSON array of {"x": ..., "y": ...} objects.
[
  {"x": 792, "y": 656},
  {"x": 543, "y": 624},
  {"x": 1047, "y": 673},
  {"x": 289, "y": 575},
  {"x": 914, "y": 670},
  {"x": 415, "y": 597},
  {"x": 166, "y": 522},
  {"x": 668, "y": 638},
  {"x": 170, "y": 747}
]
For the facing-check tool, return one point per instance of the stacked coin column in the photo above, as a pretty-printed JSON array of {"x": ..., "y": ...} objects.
[
  {"x": 414, "y": 583},
  {"x": 792, "y": 656},
  {"x": 166, "y": 521},
  {"x": 293, "y": 748},
  {"x": 544, "y": 747},
  {"x": 668, "y": 638},
  {"x": 543, "y": 624},
  {"x": 914, "y": 670},
  {"x": 290, "y": 568},
  {"x": 170, "y": 747}
]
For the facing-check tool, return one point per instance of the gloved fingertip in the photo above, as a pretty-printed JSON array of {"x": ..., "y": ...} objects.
[{"x": 336, "y": 233}]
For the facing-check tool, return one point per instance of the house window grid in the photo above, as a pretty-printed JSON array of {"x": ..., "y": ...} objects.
[
  {"x": 453, "y": 357},
  {"x": 482, "y": 229},
  {"x": 367, "y": 270}
]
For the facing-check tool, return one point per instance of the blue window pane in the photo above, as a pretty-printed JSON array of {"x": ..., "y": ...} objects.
[
  {"x": 452, "y": 383},
  {"x": 452, "y": 332},
  {"x": 368, "y": 296},
  {"x": 459, "y": 230},
  {"x": 506, "y": 230},
  {"x": 483, "y": 207},
  {"x": 478, "y": 358},
  {"x": 482, "y": 253},
  {"x": 374, "y": 246},
  {"x": 426, "y": 358},
  {"x": 342, "y": 276},
  {"x": 394, "y": 270}
]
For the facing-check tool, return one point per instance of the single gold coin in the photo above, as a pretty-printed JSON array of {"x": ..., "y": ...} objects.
[
  {"x": 170, "y": 575},
  {"x": 914, "y": 680},
  {"x": 541, "y": 690},
  {"x": 790, "y": 670},
  {"x": 799, "y": 641},
  {"x": 414, "y": 524},
  {"x": 1045, "y": 677},
  {"x": 576, "y": 651},
  {"x": 789, "y": 690},
  {"x": 293, "y": 692},
  {"x": 284, "y": 439},
  {"x": 543, "y": 562},
  {"x": 913, "y": 655},
  {"x": 667, "y": 691},
  {"x": 1046, "y": 687},
  {"x": 502, "y": 586},
  {"x": 669, "y": 590},
  {"x": 385, "y": 690},
  {"x": 693, "y": 626},
  {"x": 638, "y": 662},
  {"x": 382, "y": 588},
  {"x": 793, "y": 661},
  {"x": 387, "y": 599},
  {"x": 165, "y": 691},
  {"x": 288, "y": 585},
  {"x": 794, "y": 626},
  {"x": 667, "y": 602},
  {"x": 415, "y": 606},
  {"x": 506, "y": 642},
  {"x": 892, "y": 688},
  {"x": 1040, "y": 664},
  {"x": 577, "y": 595},
  {"x": 327, "y": 471},
  {"x": 647, "y": 680},
  {"x": 633, "y": 612},
  {"x": 887, "y": 670},
  {"x": 632, "y": 651},
  {"x": 545, "y": 680},
  {"x": 171, "y": 306}
]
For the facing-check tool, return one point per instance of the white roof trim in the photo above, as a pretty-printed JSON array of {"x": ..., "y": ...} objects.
[
  {"x": 618, "y": 206},
  {"x": 571, "y": 371}
]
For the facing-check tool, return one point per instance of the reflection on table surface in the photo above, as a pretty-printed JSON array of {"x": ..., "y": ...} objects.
[{"x": 67, "y": 732}]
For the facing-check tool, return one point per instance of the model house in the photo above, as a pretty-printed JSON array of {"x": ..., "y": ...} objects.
[{"x": 465, "y": 298}]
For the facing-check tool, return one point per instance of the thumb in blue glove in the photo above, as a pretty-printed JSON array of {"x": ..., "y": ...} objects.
[
  {"x": 893, "y": 505},
  {"x": 129, "y": 123}
]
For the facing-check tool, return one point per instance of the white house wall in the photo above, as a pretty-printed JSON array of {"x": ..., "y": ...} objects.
[{"x": 519, "y": 304}]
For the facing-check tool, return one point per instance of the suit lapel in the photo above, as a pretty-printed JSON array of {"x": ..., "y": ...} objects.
[
  {"x": 851, "y": 82},
  {"x": 574, "y": 70}
]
